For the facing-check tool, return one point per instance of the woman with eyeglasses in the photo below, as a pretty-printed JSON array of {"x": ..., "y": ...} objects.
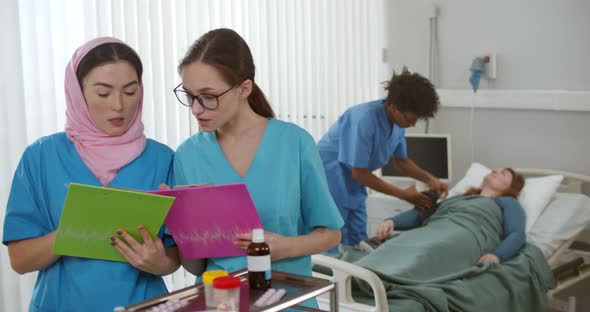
[
  {"x": 103, "y": 145},
  {"x": 241, "y": 141}
]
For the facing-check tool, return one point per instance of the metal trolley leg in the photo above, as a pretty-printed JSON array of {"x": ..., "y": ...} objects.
[{"x": 334, "y": 298}]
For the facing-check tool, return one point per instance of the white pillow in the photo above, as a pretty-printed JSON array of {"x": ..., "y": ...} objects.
[
  {"x": 534, "y": 196},
  {"x": 473, "y": 178},
  {"x": 565, "y": 217}
]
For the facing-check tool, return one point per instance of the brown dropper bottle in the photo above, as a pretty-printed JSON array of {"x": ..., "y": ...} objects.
[{"x": 259, "y": 271}]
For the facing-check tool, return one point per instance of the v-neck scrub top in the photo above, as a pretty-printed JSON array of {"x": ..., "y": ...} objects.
[
  {"x": 286, "y": 181},
  {"x": 34, "y": 208}
]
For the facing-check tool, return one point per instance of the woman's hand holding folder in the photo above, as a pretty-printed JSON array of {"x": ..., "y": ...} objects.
[{"x": 151, "y": 256}]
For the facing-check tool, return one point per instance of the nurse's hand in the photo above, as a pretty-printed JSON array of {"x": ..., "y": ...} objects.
[
  {"x": 278, "y": 244},
  {"x": 149, "y": 257},
  {"x": 440, "y": 188},
  {"x": 418, "y": 199},
  {"x": 385, "y": 229},
  {"x": 163, "y": 186}
]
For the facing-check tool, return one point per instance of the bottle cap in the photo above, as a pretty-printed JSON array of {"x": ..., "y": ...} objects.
[
  {"x": 226, "y": 282},
  {"x": 258, "y": 236},
  {"x": 209, "y": 276}
]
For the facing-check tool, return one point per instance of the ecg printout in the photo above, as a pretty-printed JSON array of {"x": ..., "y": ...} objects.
[
  {"x": 204, "y": 220},
  {"x": 91, "y": 216}
]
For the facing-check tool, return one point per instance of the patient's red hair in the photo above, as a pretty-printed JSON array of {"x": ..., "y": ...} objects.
[{"x": 513, "y": 190}]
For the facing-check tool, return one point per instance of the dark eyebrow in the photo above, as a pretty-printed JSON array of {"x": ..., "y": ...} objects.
[
  {"x": 206, "y": 89},
  {"x": 110, "y": 86},
  {"x": 200, "y": 91},
  {"x": 103, "y": 84},
  {"x": 130, "y": 84}
]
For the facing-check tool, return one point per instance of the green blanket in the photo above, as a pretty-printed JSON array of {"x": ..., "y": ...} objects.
[{"x": 432, "y": 268}]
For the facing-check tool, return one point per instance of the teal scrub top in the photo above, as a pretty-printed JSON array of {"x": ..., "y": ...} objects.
[
  {"x": 285, "y": 180},
  {"x": 34, "y": 208}
]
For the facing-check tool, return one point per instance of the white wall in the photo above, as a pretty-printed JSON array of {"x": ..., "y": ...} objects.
[
  {"x": 541, "y": 45},
  {"x": 517, "y": 138}
]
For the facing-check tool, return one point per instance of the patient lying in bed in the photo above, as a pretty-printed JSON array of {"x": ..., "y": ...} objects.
[
  {"x": 431, "y": 265},
  {"x": 499, "y": 188}
]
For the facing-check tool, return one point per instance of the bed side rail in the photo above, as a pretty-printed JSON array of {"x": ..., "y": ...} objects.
[{"x": 342, "y": 272}]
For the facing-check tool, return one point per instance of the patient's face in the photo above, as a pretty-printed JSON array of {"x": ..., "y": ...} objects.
[{"x": 498, "y": 180}]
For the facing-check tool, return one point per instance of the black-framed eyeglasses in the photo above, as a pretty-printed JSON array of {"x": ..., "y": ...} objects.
[{"x": 207, "y": 101}]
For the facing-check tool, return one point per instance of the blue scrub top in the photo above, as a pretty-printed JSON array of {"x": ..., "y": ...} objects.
[
  {"x": 285, "y": 180},
  {"x": 34, "y": 208},
  {"x": 361, "y": 138}
]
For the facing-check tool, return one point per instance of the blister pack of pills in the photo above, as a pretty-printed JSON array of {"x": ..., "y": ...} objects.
[{"x": 270, "y": 296}]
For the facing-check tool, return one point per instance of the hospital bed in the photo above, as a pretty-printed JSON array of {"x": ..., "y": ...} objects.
[{"x": 570, "y": 205}]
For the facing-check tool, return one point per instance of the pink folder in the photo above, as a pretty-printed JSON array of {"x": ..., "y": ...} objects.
[{"x": 204, "y": 220}]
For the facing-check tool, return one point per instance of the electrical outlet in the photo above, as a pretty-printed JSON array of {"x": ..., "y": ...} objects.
[
  {"x": 490, "y": 61},
  {"x": 490, "y": 67}
]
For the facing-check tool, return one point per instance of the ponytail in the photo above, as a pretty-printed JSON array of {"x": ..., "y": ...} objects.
[{"x": 259, "y": 103}]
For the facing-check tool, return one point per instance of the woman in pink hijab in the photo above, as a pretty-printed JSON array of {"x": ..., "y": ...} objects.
[{"x": 103, "y": 144}]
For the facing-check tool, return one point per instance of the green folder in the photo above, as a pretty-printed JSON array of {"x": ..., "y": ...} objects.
[{"x": 91, "y": 215}]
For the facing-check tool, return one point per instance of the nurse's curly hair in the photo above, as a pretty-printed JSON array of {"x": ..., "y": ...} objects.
[{"x": 410, "y": 92}]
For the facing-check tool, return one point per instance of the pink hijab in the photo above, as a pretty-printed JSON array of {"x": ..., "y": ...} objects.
[{"x": 103, "y": 154}]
